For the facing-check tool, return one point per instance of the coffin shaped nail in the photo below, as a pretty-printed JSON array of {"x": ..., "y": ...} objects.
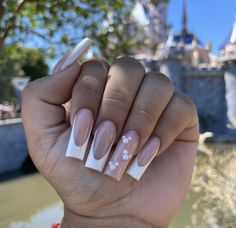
[
  {"x": 122, "y": 155},
  {"x": 144, "y": 158},
  {"x": 81, "y": 130},
  {"x": 77, "y": 52},
  {"x": 102, "y": 143}
]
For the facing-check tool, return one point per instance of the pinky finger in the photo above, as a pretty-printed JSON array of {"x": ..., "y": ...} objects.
[{"x": 178, "y": 122}]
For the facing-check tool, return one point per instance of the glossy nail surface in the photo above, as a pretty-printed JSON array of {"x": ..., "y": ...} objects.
[
  {"x": 122, "y": 155},
  {"x": 81, "y": 130},
  {"x": 144, "y": 158},
  {"x": 77, "y": 52},
  {"x": 102, "y": 143}
]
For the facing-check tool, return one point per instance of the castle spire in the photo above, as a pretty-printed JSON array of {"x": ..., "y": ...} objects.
[
  {"x": 184, "y": 19},
  {"x": 233, "y": 34}
]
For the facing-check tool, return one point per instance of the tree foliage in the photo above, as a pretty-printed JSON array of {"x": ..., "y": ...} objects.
[
  {"x": 65, "y": 22},
  {"x": 215, "y": 181},
  {"x": 19, "y": 61}
]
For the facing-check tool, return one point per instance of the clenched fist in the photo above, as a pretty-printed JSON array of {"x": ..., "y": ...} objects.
[{"x": 120, "y": 124}]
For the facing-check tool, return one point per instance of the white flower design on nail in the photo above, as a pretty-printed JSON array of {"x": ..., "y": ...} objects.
[
  {"x": 113, "y": 165},
  {"x": 126, "y": 156},
  {"x": 126, "y": 139}
]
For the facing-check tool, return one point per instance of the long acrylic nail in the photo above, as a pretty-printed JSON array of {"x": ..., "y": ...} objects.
[
  {"x": 145, "y": 157},
  {"x": 103, "y": 140},
  {"x": 81, "y": 130},
  {"x": 77, "y": 52},
  {"x": 122, "y": 155}
]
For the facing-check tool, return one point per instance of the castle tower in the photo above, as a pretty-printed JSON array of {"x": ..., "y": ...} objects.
[
  {"x": 171, "y": 54},
  {"x": 228, "y": 58},
  {"x": 184, "y": 19},
  {"x": 170, "y": 60},
  {"x": 150, "y": 26}
]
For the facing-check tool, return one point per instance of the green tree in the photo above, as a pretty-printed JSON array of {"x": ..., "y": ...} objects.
[
  {"x": 66, "y": 21},
  {"x": 16, "y": 61}
]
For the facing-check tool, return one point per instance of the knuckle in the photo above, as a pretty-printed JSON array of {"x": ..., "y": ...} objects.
[
  {"x": 130, "y": 63},
  {"x": 98, "y": 67},
  {"x": 28, "y": 92},
  {"x": 116, "y": 99},
  {"x": 184, "y": 101},
  {"x": 146, "y": 113},
  {"x": 25, "y": 92},
  {"x": 88, "y": 87},
  {"x": 171, "y": 122},
  {"x": 166, "y": 82},
  {"x": 161, "y": 80}
]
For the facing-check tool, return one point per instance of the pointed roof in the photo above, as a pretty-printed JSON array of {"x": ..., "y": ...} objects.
[
  {"x": 228, "y": 49},
  {"x": 230, "y": 38},
  {"x": 170, "y": 40},
  {"x": 185, "y": 38},
  {"x": 184, "y": 19},
  {"x": 233, "y": 34}
]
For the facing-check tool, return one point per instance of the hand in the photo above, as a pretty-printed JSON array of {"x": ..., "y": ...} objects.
[{"x": 122, "y": 96}]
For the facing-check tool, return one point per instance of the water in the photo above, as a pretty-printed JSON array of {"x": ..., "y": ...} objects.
[
  {"x": 28, "y": 202},
  {"x": 31, "y": 202}
]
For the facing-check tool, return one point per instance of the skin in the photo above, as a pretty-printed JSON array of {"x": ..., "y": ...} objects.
[{"x": 149, "y": 105}]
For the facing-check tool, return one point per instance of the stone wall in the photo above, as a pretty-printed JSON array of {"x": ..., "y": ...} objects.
[
  {"x": 230, "y": 81},
  {"x": 172, "y": 69},
  {"x": 206, "y": 87},
  {"x": 13, "y": 148}
]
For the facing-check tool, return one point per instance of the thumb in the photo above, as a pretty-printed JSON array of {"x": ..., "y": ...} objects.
[
  {"x": 44, "y": 117},
  {"x": 55, "y": 89},
  {"x": 42, "y": 99},
  {"x": 42, "y": 112}
]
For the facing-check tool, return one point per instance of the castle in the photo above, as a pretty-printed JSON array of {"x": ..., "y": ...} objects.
[{"x": 210, "y": 81}]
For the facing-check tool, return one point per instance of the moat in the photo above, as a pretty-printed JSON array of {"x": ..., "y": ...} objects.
[{"x": 42, "y": 207}]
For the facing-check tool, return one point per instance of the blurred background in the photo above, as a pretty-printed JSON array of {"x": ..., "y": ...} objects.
[{"x": 192, "y": 42}]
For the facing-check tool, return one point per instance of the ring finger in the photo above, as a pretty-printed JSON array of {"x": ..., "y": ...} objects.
[{"x": 155, "y": 92}]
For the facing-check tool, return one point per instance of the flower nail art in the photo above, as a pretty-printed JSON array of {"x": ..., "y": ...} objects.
[
  {"x": 113, "y": 165},
  {"x": 122, "y": 155},
  {"x": 126, "y": 139},
  {"x": 126, "y": 156}
]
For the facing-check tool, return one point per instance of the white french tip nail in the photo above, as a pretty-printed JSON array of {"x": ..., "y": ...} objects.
[
  {"x": 75, "y": 151},
  {"x": 102, "y": 143},
  {"x": 96, "y": 164},
  {"x": 137, "y": 171},
  {"x": 78, "y": 51}
]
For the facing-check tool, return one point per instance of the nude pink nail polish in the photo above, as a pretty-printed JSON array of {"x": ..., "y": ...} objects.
[
  {"x": 83, "y": 125},
  {"x": 144, "y": 158},
  {"x": 149, "y": 151},
  {"x": 81, "y": 130},
  {"x": 122, "y": 155},
  {"x": 103, "y": 140}
]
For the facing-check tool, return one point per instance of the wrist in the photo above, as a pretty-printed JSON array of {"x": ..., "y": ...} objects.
[{"x": 72, "y": 220}]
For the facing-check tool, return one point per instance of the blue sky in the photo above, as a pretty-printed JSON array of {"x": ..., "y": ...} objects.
[{"x": 210, "y": 20}]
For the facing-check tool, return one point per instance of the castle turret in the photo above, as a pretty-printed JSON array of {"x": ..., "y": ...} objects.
[
  {"x": 228, "y": 58},
  {"x": 184, "y": 19},
  {"x": 170, "y": 59}
]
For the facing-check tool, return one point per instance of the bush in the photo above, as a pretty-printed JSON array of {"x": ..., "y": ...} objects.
[
  {"x": 215, "y": 180},
  {"x": 19, "y": 61}
]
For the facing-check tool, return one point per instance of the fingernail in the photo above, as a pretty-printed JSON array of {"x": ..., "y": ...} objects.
[
  {"x": 80, "y": 133},
  {"x": 103, "y": 140},
  {"x": 122, "y": 155},
  {"x": 145, "y": 157},
  {"x": 77, "y": 52}
]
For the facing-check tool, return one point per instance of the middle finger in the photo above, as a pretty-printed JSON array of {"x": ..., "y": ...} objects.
[{"x": 124, "y": 79}]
